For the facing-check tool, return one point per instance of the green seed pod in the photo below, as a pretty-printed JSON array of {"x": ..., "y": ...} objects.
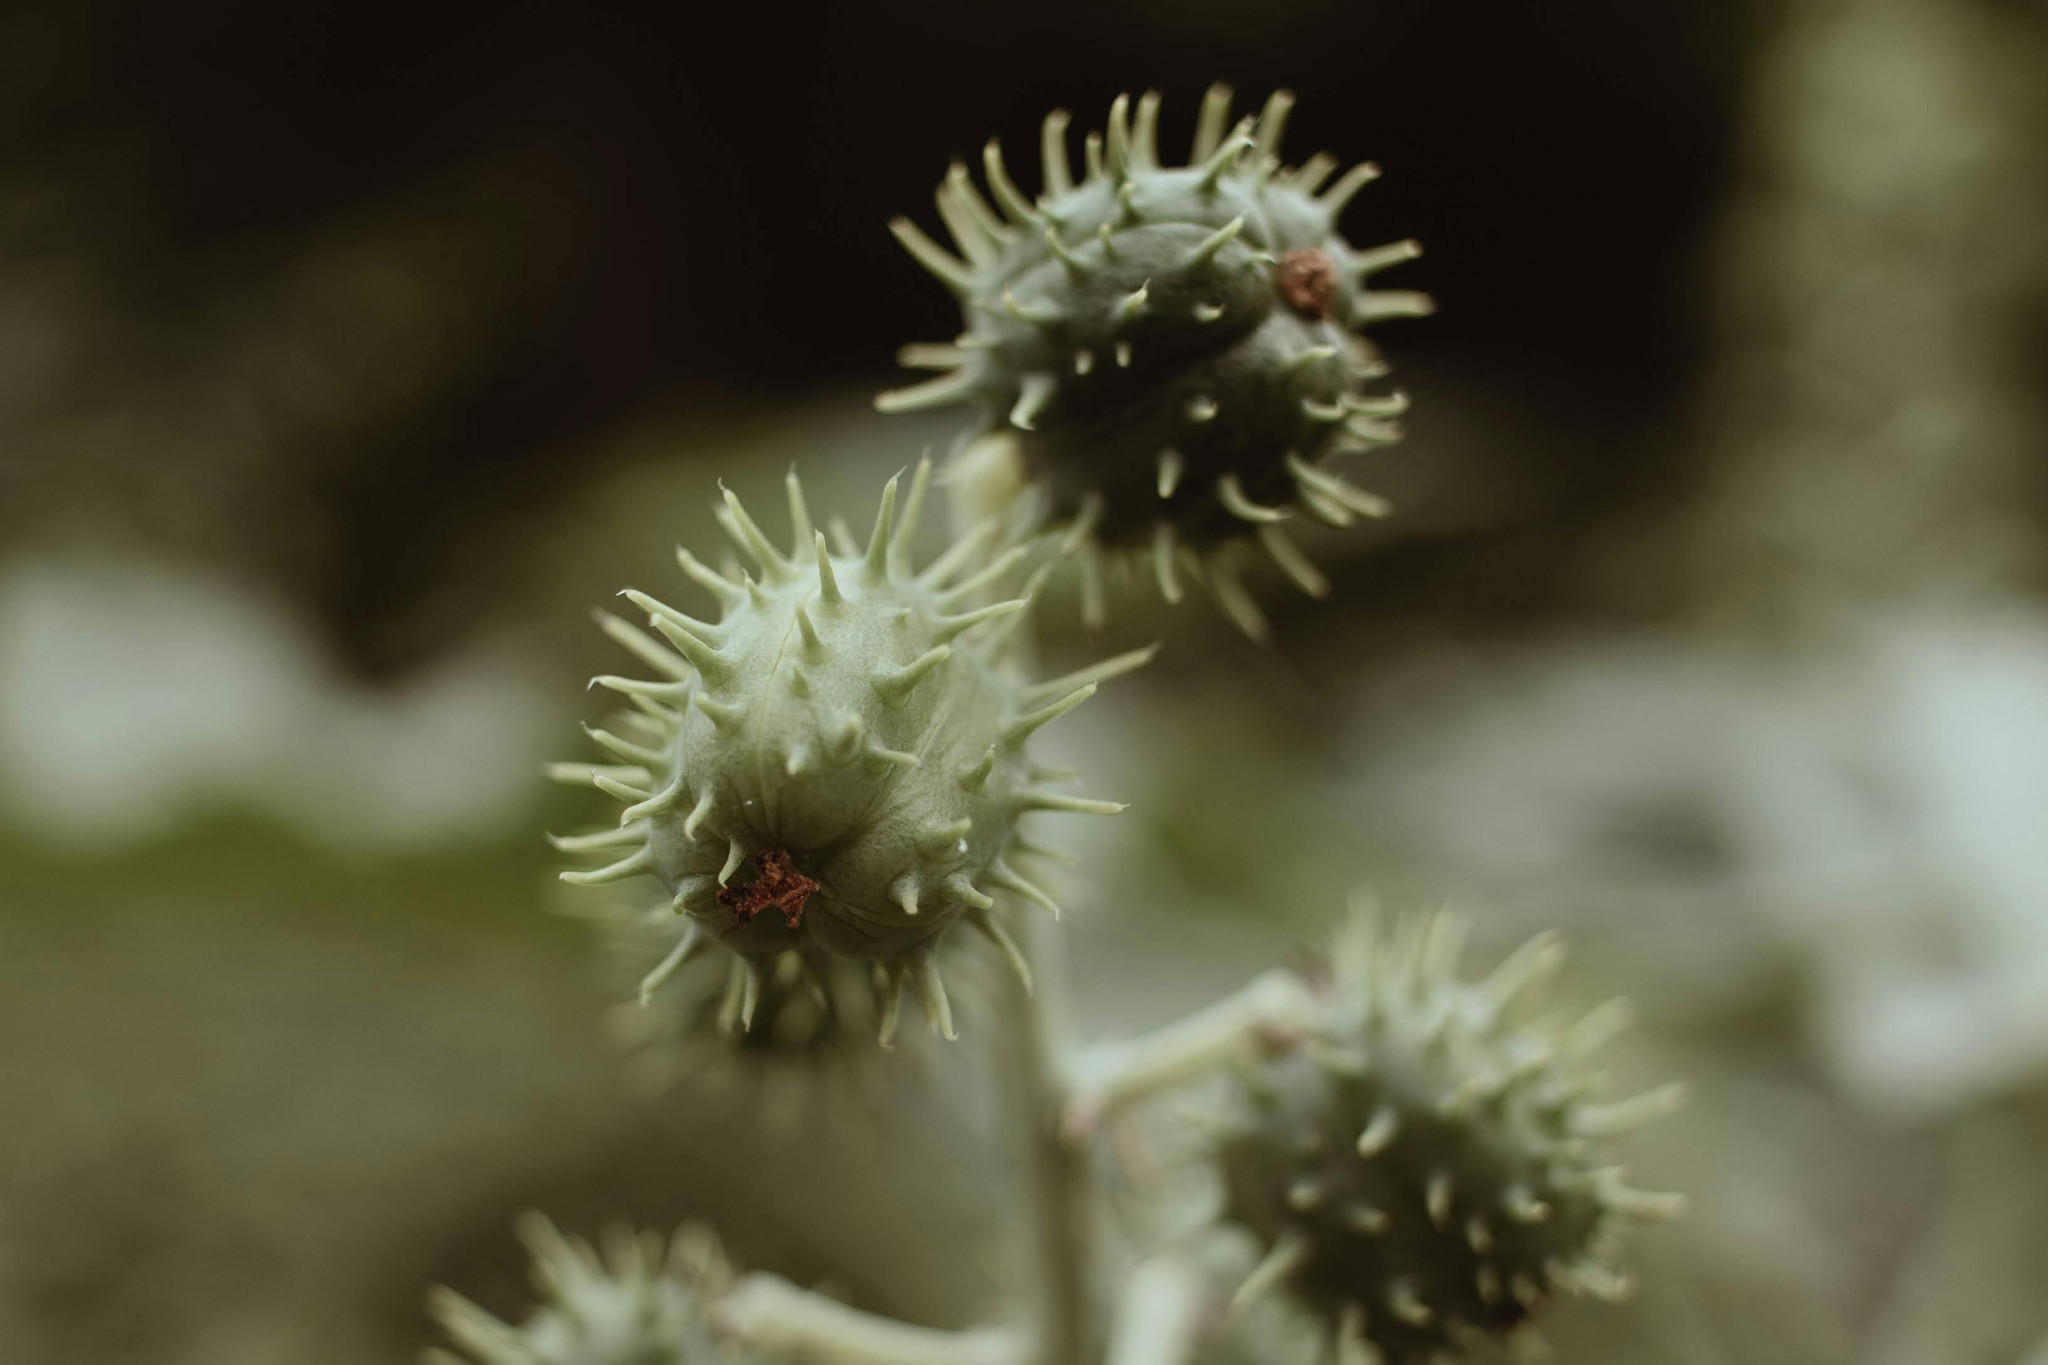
[
  {"x": 1423, "y": 1170},
  {"x": 1175, "y": 350},
  {"x": 641, "y": 1303},
  {"x": 838, "y": 764}
]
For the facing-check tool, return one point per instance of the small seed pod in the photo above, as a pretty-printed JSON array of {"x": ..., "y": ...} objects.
[
  {"x": 1175, "y": 350},
  {"x": 643, "y": 1302},
  {"x": 836, "y": 766},
  {"x": 1423, "y": 1170}
]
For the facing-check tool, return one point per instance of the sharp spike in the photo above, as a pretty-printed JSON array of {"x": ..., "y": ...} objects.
[
  {"x": 1122, "y": 352},
  {"x": 1438, "y": 1198},
  {"x": 904, "y": 892},
  {"x": 619, "y": 791},
  {"x": 1208, "y": 312},
  {"x": 1273, "y": 122},
  {"x": 688, "y": 946},
  {"x": 1028, "y": 847},
  {"x": 1213, "y": 243},
  {"x": 1008, "y": 197},
  {"x": 1092, "y": 610},
  {"x": 601, "y": 840},
  {"x": 931, "y": 993},
  {"x": 661, "y": 611},
  {"x": 989, "y": 925},
  {"x": 1035, "y": 317},
  {"x": 1308, "y": 356},
  {"x": 899, "y": 758},
  {"x": 1338, "y": 195},
  {"x": 828, "y": 582},
  {"x": 695, "y": 819},
  {"x": 1312, "y": 174},
  {"x": 959, "y": 554},
  {"x": 951, "y": 271},
  {"x": 648, "y": 696},
  {"x": 1525, "y": 967},
  {"x": 843, "y": 543},
  {"x": 735, "y": 854},
  {"x": 1035, "y": 392},
  {"x": 1120, "y": 136},
  {"x": 1389, "y": 405},
  {"x": 725, "y": 715},
  {"x": 1131, "y": 306},
  {"x": 642, "y": 646},
  {"x": 811, "y": 646},
  {"x": 1293, "y": 562},
  {"x": 973, "y": 778},
  {"x": 1367, "y": 1220},
  {"x": 929, "y": 355},
  {"x": 932, "y": 393},
  {"x": 1646, "y": 1206},
  {"x": 1287, "y": 1255},
  {"x": 985, "y": 577},
  {"x": 1336, "y": 489},
  {"x": 1052, "y": 154},
  {"x": 1033, "y": 798},
  {"x": 586, "y": 774},
  {"x": 710, "y": 664},
  {"x": 1607, "y": 1120},
  {"x": 1091, "y": 150},
  {"x": 728, "y": 593},
  {"x": 1209, "y": 126},
  {"x": 1522, "y": 1206},
  {"x": 948, "y": 627},
  {"x": 1098, "y": 672},
  {"x": 1316, "y": 410},
  {"x": 1390, "y": 303},
  {"x": 844, "y": 744},
  {"x": 1235, "y": 600},
  {"x": 1202, "y": 408},
  {"x": 1231, "y": 494},
  {"x": 1379, "y": 258},
  {"x": 1601, "y": 1025},
  {"x": 1076, "y": 265},
  {"x": 1305, "y": 1196},
  {"x": 1083, "y": 525},
  {"x": 1220, "y": 162},
  {"x": 1084, "y": 361},
  {"x": 964, "y": 892},
  {"x": 1145, "y": 132},
  {"x": 968, "y": 216},
  {"x": 1008, "y": 878},
  {"x": 619, "y": 748},
  {"x": 638, "y": 862},
  {"x": 1024, "y": 726},
  {"x": 942, "y": 839},
  {"x": 1106, "y": 239},
  {"x": 750, "y": 993},
  {"x": 1162, "y": 563},
  {"x": 1380, "y": 1131},
  {"x": 1478, "y": 1235},
  {"x": 891, "y": 1002},
  {"x": 876, "y": 565},
  {"x": 1404, "y": 1301},
  {"x": 1170, "y": 468}
]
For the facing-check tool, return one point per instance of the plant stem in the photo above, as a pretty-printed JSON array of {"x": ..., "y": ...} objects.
[
  {"x": 783, "y": 1321},
  {"x": 1061, "y": 1198}
]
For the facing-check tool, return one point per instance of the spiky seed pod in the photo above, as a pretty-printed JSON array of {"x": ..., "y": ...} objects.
[
  {"x": 837, "y": 765},
  {"x": 1176, "y": 349},
  {"x": 643, "y": 1302},
  {"x": 1422, "y": 1168}
]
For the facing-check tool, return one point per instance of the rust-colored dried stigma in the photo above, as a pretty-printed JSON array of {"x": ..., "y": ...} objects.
[
  {"x": 1307, "y": 278},
  {"x": 777, "y": 885}
]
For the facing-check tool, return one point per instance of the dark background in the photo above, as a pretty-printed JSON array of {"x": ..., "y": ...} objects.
[{"x": 687, "y": 206}]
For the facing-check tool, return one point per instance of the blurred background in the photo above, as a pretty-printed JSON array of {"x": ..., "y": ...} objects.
[{"x": 350, "y": 354}]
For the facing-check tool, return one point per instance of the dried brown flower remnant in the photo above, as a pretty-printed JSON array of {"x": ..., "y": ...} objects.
[
  {"x": 777, "y": 885},
  {"x": 1307, "y": 278}
]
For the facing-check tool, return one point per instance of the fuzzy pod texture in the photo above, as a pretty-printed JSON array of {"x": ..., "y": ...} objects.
[
  {"x": 1424, "y": 1170},
  {"x": 1176, "y": 350},
  {"x": 837, "y": 766},
  {"x": 643, "y": 1301}
]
